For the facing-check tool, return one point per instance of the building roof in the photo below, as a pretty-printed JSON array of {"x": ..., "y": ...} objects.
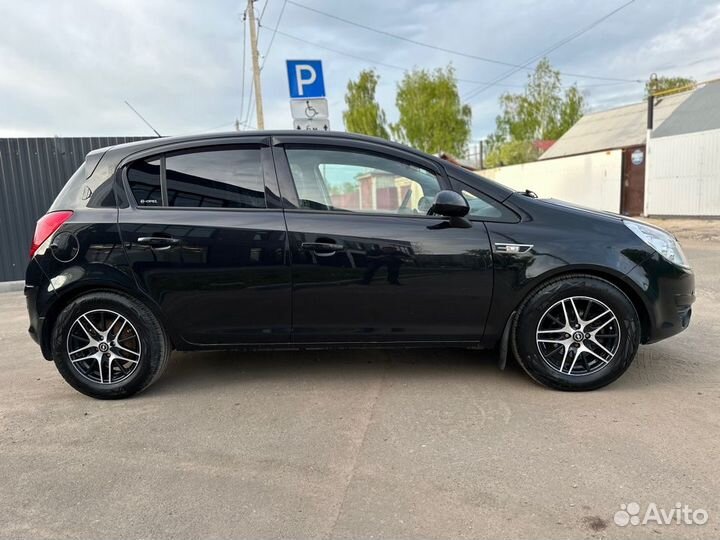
[
  {"x": 616, "y": 128},
  {"x": 464, "y": 163},
  {"x": 543, "y": 144},
  {"x": 700, "y": 112}
]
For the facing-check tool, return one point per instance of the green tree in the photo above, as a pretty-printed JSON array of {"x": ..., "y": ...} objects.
[
  {"x": 542, "y": 111},
  {"x": 431, "y": 116},
  {"x": 510, "y": 153},
  {"x": 663, "y": 84},
  {"x": 571, "y": 110},
  {"x": 363, "y": 114}
]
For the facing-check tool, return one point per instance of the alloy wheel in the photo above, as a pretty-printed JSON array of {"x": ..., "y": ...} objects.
[
  {"x": 104, "y": 346},
  {"x": 578, "y": 335}
]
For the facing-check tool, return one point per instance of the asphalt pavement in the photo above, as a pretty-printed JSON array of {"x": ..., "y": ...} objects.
[{"x": 356, "y": 444}]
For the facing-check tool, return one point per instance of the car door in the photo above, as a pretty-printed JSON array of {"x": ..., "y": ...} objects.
[
  {"x": 207, "y": 242},
  {"x": 368, "y": 264}
]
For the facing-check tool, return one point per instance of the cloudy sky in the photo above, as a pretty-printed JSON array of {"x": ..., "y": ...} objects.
[{"x": 66, "y": 66}]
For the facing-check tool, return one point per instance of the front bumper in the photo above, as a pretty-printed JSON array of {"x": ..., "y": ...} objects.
[{"x": 668, "y": 293}]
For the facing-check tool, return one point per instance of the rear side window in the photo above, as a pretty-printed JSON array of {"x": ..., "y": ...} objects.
[
  {"x": 223, "y": 177},
  {"x": 144, "y": 181},
  {"x": 216, "y": 179}
]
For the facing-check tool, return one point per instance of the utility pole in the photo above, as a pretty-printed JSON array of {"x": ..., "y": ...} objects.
[{"x": 256, "y": 65}]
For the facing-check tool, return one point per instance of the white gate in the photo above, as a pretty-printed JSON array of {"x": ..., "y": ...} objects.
[{"x": 683, "y": 175}]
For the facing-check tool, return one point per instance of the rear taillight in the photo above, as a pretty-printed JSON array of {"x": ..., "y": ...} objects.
[{"x": 46, "y": 226}]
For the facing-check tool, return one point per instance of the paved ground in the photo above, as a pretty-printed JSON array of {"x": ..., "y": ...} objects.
[
  {"x": 691, "y": 229},
  {"x": 432, "y": 444}
]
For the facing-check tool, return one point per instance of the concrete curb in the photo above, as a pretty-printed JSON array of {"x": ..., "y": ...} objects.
[{"x": 11, "y": 286}]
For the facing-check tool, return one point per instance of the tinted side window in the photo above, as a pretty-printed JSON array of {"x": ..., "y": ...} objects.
[
  {"x": 328, "y": 179},
  {"x": 144, "y": 179},
  {"x": 482, "y": 206},
  {"x": 228, "y": 178}
]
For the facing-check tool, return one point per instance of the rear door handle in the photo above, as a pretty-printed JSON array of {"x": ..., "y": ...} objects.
[
  {"x": 322, "y": 247},
  {"x": 158, "y": 241}
]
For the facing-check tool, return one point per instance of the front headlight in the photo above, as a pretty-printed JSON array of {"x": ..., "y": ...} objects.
[{"x": 661, "y": 241}]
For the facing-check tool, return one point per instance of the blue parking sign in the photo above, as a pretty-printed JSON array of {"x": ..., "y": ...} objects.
[{"x": 305, "y": 78}]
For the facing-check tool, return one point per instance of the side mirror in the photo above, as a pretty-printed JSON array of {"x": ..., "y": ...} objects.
[{"x": 449, "y": 204}]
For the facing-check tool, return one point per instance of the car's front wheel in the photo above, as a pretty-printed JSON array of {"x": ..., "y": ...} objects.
[
  {"x": 109, "y": 346},
  {"x": 576, "y": 333}
]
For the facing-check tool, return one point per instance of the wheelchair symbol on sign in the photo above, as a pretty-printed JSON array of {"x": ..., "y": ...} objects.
[{"x": 310, "y": 111}]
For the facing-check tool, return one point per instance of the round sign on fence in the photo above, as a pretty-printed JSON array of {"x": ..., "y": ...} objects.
[{"x": 637, "y": 157}]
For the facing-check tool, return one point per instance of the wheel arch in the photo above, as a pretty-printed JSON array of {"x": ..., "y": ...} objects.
[
  {"x": 614, "y": 278},
  {"x": 633, "y": 295},
  {"x": 65, "y": 297}
]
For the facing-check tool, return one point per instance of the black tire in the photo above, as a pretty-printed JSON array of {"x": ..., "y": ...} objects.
[
  {"x": 527, "y": 349},
  {"x": 154, "y": 345}
]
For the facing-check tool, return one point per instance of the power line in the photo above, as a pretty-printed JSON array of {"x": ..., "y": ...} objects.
[
  {"x": 369, "y": 60},
  {"x": 374, "y": 62},
  {"x": 444, "y": 49},
  {"x": 395, "y": 36},
  {"x": 406, "y": 68},
  {"x": 550, "y": 49},
  {"x": 272, "y": 38},
  {"x": 337, "y": 51},
  {"x": 263, "y": 10}
]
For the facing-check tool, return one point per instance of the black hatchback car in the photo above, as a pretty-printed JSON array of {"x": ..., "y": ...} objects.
[{"x": 290, "y": 240}]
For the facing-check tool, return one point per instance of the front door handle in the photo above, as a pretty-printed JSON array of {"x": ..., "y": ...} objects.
[
  {"x": 322, "y": 247},
  {"x": 158, "y": 241}
]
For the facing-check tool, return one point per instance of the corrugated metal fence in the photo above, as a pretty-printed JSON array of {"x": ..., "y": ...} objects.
[{"x": 32, "y": 173}]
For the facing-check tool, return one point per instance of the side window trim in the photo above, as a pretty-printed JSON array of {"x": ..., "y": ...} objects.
[
  {"x": 434, "y": 165},
  {"x": 291, "y": 199},
  {"x": 163, "y": 182}
]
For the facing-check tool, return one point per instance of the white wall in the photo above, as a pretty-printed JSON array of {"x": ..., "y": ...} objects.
[
  {"x": 683, "y": 175},
  {"x": 592, "y": 180}
]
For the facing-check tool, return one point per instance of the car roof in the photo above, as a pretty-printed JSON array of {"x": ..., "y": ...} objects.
[{"x": 132, "y": 147}]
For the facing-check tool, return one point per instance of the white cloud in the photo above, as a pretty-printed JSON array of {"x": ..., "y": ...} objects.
[{"x": 67, "y": 66}]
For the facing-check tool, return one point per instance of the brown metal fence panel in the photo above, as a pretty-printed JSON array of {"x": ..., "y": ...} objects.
[{"x": 32, "y": 173}]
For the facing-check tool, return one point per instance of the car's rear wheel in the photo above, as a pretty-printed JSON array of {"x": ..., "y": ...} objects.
[
  {"x": 576, "y": 333},
  {"x": 108, "y": 345}
]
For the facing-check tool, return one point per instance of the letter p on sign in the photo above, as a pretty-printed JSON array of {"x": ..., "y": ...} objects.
[{"x": 305, "y": 78}]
